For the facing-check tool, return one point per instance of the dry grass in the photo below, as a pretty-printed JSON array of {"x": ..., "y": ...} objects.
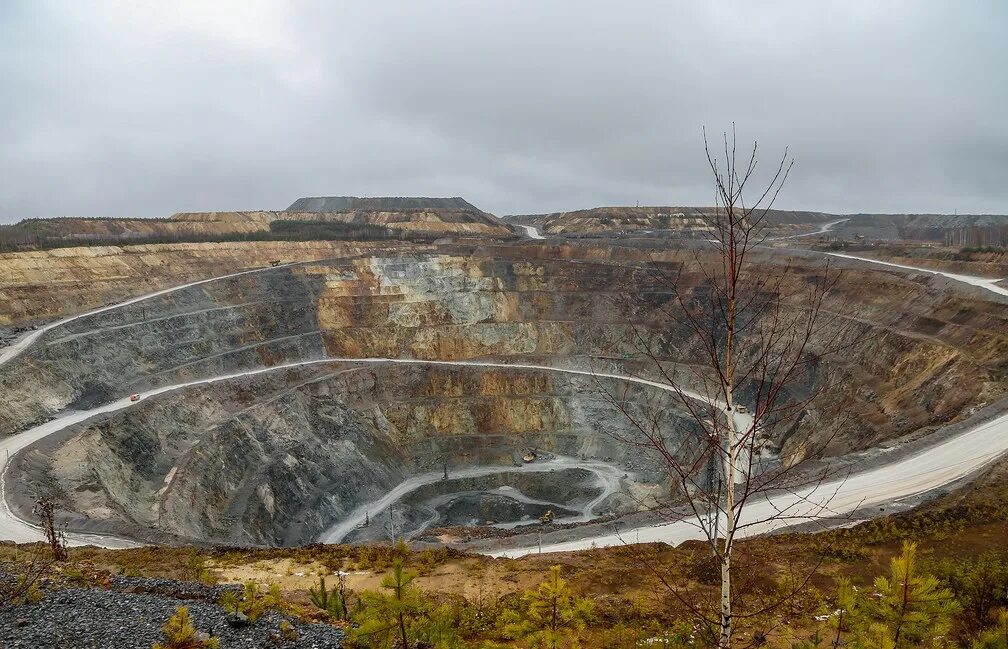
[{"x": 626, "y": 583}]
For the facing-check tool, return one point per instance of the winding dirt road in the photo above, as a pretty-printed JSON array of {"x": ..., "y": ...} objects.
[
  {"x": 823, "y": 229},
  {"x": 989, "y": 284},
  {"x": 25, "y": 340},
  {"x": 532, "y": 232},
  {"x": 16, "y": 529},
  {"x": 942, "y": 464},
  {"x": 610, "y": 480}
]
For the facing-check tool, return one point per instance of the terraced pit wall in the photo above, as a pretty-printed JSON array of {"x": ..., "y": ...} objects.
[
  {"x": 920, "y": 355},
  {"x": 274, "y": 460},
  {"x": 926, "y": 352},
  {"x": 44, "y": 285}
]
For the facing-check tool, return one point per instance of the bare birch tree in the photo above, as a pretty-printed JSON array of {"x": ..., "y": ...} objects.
[{"x": 755, "y": 334}]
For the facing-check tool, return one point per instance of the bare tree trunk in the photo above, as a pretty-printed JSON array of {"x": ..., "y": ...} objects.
[{"x": 724, "y": 639}]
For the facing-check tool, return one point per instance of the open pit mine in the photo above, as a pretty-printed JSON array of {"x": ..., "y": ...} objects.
[{"x": 454, "y": 388}]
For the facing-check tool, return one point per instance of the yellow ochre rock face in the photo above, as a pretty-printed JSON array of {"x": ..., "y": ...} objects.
[
  {"x": 442, "y": 307},
  {"x": 47, "y": 284}
]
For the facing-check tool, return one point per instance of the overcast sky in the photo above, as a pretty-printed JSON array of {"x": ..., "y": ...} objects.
[{"x": 137, "y": 109}]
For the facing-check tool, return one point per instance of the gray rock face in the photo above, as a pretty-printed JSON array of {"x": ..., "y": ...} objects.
[
  {"x": 424, "y": 307},
  {"x": 257, "y": 461},
  {"x": 378, "y": 204},
  {"x": 211, "y": 329}
]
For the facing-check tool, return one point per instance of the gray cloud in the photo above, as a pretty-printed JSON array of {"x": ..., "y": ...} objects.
[{"x": 124, "y": 109}]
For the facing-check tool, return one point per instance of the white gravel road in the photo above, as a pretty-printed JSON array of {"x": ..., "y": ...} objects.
[
  {"x": 823, "y": 229},
  {"x": 986, "y": 283},
  {"x": 609, "y": 474},
  {"x": 26, "y": 339},
  {"x": 532, "y": 232}
]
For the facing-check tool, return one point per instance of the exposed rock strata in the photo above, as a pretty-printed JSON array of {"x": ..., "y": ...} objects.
[{"x": 264, "y": 462}]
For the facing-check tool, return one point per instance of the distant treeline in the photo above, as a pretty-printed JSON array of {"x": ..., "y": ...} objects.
[
  {"x": 989, "y": 237},
  {"x": 25, "y": 237}
]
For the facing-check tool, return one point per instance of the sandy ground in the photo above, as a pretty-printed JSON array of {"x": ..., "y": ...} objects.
[{"x": 482, "y": 579}]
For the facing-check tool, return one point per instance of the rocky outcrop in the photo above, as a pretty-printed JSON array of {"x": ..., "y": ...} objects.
[
  {"x": 232, "y": 324},
  {"x": 434, "y": 307},
  {"x": 380, "y": 204},
  {"x": 693, "y": 221}
]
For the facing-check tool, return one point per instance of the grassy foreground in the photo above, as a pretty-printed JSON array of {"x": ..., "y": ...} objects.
[{"x": 798, "y": 590}]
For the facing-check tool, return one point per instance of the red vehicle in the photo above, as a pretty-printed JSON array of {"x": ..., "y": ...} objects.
[{"x": 134, "y": 397}]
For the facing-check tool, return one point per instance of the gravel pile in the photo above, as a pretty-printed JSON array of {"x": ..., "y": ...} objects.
[
  {"x": 130, "y": 615},
  {"x": 171, "y": 587}
]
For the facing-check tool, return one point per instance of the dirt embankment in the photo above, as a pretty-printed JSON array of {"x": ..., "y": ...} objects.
[
  {"x": 445, "y": 222},
  {"x": 45, "y": 285},
  {"x": 989, "y": 263},
  {"x": 343, "y": 217},
  {"x": 677, "y": 219}
]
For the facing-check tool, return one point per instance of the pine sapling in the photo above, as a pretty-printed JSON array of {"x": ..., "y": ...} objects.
[{"x": 180, "y": 633}]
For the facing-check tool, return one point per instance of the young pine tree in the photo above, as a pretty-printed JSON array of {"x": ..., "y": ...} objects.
[
  {"x": 552, "y": 617},
  {"x": 392, "y": 612},
  {"x": 333, "y": 602},
  {"x": 252, "y": 602},
  {"x": 910, "y": 609},
  {"x": 846, "y": 612},
  {"x": 179, "y": 633}
]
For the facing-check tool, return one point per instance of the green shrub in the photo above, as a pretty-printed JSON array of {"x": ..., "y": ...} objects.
[
  {"x": 287, "y": 632},
  {"x": 980, "y": 585},
  {"x": 25, "y": 591},
  {"x": 995, "y": 637}
]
